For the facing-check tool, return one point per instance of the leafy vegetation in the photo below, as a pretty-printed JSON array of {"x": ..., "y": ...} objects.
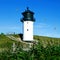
[
  {"x": 5, "y": 42},
  {"x": 45, "y": 48}
]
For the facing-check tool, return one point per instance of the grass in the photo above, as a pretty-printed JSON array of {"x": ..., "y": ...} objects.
[
  {"x": 47, "y": 49},
  {"x": 15, "y": 35},
  {"x": 6, "y": 42},
  {"x": 47, "y": 40}
]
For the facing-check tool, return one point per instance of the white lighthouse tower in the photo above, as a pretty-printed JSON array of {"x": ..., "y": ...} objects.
[{"x": 28, "y": 20}]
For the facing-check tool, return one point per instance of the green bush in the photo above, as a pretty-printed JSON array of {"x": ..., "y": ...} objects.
[
  {"x": 44, "y": 49},
  {"x": 37, "y": 52}
]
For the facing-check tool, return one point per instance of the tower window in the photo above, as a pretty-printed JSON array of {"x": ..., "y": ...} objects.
[
  {"x": 27, "y": 22},
  {"x": 27, "y": 29}
]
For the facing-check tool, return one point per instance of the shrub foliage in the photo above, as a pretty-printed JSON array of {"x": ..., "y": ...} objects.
[{"x": 44, "y": 49}]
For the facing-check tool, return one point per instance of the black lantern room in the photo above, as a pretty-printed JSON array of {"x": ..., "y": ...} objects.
[{"x": 28, "y": 15}]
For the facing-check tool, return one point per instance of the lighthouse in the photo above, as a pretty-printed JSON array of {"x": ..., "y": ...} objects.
[{"x": 27, "y": 20}]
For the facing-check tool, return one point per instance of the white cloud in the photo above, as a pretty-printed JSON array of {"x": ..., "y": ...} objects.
[
  {"x": 41, "y": 25},
  {"x": 10, "y": 27}
]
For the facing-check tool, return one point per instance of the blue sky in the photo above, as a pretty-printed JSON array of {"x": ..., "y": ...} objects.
[{"x": 47, "y": 15}]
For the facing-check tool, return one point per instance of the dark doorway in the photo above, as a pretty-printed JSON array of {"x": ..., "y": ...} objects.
[{"x": 21, "y": 36}]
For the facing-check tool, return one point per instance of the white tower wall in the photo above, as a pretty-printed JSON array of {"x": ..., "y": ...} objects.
[{"x": 28, "y": 31}]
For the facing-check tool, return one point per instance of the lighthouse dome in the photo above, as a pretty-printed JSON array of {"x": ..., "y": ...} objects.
[{"x": 27, "y": 15}]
